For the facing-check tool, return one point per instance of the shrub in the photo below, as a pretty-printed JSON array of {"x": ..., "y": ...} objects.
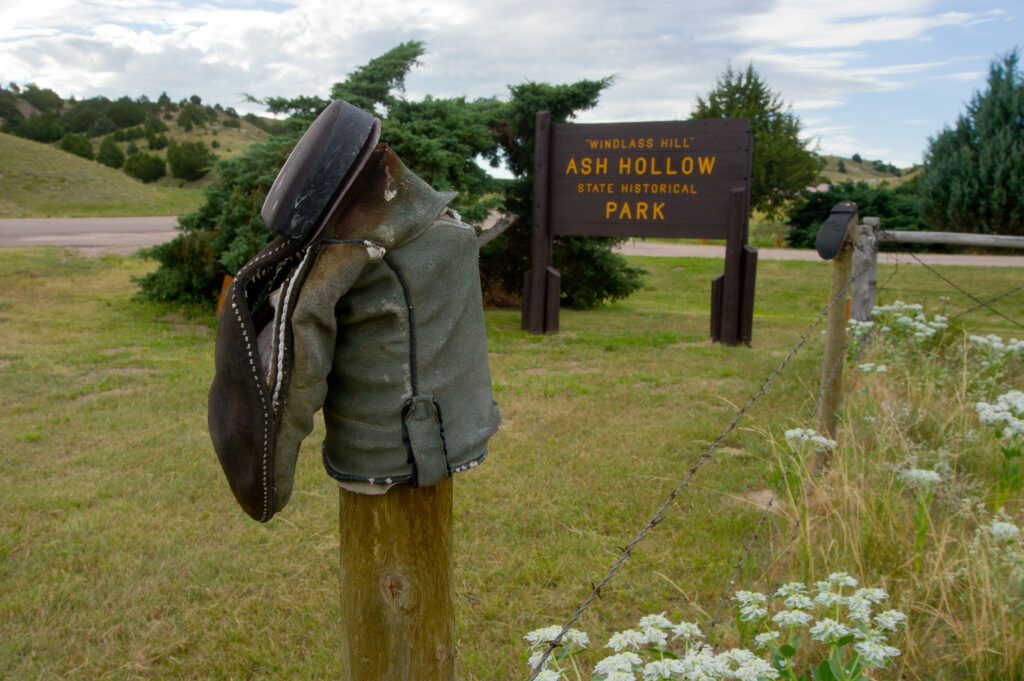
[
  {"x": 110, "y": 154},
  {"x": 79, "y": 145},
  {"x": 189, "y": 160},
  {"x": 157, "y": 142},
  {"x": 103, "y": 125},
  {"x": 40, "y": 127},
  {"x": 143, "y": 166},
  {"x": 896, "y": 207}
]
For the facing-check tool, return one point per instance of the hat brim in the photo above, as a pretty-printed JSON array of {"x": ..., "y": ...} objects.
[{"x": 319, "y": 171}]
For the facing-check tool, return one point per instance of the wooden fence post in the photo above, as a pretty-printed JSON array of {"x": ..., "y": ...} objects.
[
  {"x": 398, "y": 614},
  {"x": 834, "y": 242},
  {"x": 865, "y": 265}
]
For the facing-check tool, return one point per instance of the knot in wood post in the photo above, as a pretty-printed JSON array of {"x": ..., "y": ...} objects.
[{"x": 398, "y": 619}]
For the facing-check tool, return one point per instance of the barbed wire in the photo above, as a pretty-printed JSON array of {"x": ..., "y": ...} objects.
[
  {"x": 816, "y": 408},
  {"x": 704, "y": 458},
  {"x": 961, "y": 290},
  {"x": 986, "y": 303}
]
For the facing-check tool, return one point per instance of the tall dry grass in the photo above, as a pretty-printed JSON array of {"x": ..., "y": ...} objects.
[{"x": 910, "y": 501}]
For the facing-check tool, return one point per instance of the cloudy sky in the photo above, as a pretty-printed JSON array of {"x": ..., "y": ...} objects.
[{"x": 874, "y": 77}]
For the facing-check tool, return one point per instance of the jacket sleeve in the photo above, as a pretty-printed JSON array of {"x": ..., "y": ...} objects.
[{"x": 314, "y": 332}]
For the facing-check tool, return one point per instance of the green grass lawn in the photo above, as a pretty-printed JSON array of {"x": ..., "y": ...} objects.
[{"x": 123, "y": 554}]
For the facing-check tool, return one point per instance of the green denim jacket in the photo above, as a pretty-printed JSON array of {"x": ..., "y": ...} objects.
[{"x": 389, "y": 340}]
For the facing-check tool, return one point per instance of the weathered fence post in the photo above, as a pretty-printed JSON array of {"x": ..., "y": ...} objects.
[
  {"x": 398, "y": 615},
  {"x": 865, "y": 265},
  {"x": 834, "y": 243}
]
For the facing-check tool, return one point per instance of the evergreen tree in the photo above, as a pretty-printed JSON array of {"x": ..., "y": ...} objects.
[
  {"x": 145, "y": 167},
  {"x": 190, "y": 160},
  {"x": 896, "y": 207},
  {"x": 974, "y": 172},
  {"x": 439, "y": 139},
  {"x": 110, "y": 153},
  {"x": 783, "y": 166},
  {"x": 591, "y": 272},
  {"x": 78, "y": 145}
]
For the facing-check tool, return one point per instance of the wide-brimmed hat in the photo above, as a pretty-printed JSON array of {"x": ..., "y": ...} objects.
[{"x": 253, "y": 354}]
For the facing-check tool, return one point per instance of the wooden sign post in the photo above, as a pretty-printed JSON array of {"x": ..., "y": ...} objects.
[{"x": 680, "y": 179}]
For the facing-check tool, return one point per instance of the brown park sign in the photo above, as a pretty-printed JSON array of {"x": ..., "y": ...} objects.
[
  {"x": 683, "y": 179},
  {"x": 667, "y": 179}
]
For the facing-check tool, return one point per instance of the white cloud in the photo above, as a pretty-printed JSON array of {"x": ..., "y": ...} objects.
[{"x": 820, "y": 55}]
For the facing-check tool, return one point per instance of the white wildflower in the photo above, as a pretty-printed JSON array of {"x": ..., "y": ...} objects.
[
  {"x": 1007, "y": 413},
  {"x": 828, "y": 630},
  {"x": 700, "y": 664},
  {"x": 536, "y": 658},
  {"x": 738, "y": 655},
  {"x": 659, "y": 670},
  {"x": 544, "y": 635},
  {"x": 842, "y": 579},
  {"x": 549, "y": 675},
  {"x": 796, "y": 436},
  {"x": 755, "y": 669},
  {"x": 918, "y": 477},
  {"x": 859, "y": 608},
  {"x": 881, "y": 369},
  {"x": 790, "y": 589},
  {"x": 874, "y": 653},
  {"x": 792, "y": 618},
  {"x": 659, "y": 621},
  {"x": 749, "y": 597},
  {"x": 867, "y": 367},
  {"x": 655, "y": 637},
  {"x": 829, "y": 599},
  {"x": 621, "y": 676},
  {"x": 765, "y": 639},
  {"x": 577, "y": 637},
  {"x": 752, "y": 612},
  {"x": 890, "y": 619},
  {"x": 799, "y": 602},
  {"x": 1002, "y": 531},
  {"x": 629, "y": 638},
  {"x": 686, "y": 630},
  {"x": 620, "y": 662},
  {"x": 873, "y": 594}
]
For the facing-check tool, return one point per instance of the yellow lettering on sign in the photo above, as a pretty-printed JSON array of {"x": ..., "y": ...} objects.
[
  {"x": 586, "y": 166},
  {"x": 654, "y": 188},
  {"x": 646, "y": 165},
  {"x": 641, "y": 210},
  {"x": 595, "y": 188},
  {"x": 676, "y": 143}
]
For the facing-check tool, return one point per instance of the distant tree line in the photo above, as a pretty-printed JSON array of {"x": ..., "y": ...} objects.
[{"x": 73, "y": 126}]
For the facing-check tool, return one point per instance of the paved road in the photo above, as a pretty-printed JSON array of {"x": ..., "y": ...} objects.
[
  {"x": 130, "y": 234},
  {"x": 86, "y": 232}
]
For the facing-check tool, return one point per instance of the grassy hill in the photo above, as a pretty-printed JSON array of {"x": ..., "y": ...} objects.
[
  {"x": 39, "y": 180},
  {"x": 840, "y": 169}
]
